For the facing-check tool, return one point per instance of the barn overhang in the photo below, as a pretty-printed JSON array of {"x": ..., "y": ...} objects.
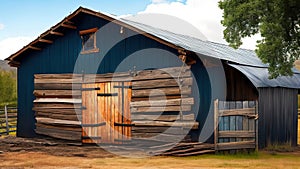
[{"x": 259, "y": 77}]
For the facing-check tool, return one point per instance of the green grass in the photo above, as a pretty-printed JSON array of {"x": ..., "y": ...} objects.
[
  {"x": 9, "y": 104},
  {"x": 251, "y": 155}
]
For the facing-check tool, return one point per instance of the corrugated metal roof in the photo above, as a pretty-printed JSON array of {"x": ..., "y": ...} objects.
[
  {"x": 246, "y": 61},
  {"x": 216, "y": 50},
  {"x": 259, "y": 77}
]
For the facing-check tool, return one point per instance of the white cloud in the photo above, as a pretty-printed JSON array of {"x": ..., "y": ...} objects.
[
  {"x": 11, "y": 45},
  {"x": 1, "y": 26},
  {"x": 205, "y": 15}
]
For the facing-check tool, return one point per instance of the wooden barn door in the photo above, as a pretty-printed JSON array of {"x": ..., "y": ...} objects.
[{"x": 106, "y": 117}]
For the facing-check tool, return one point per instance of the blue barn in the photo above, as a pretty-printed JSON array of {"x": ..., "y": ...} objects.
[{"x": 89, "y": 42}]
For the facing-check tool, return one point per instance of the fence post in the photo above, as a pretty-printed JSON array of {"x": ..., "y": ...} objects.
[
  {"x": 216, "y": 121},
  {"x": 6, "y": 119},
  {"x": 256, "y": 126}
]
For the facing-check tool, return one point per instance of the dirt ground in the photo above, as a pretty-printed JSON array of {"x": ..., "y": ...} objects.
[{"x": 38, "y": 153}]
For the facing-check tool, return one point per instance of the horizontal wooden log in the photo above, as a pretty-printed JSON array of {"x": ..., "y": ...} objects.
[
  {"x": 166, "y": 130},
  {"x": 61, "y": 134},
  {"x": 237, "y": 112},
  {"x": 150, "y": 98},
  {"x": 161, "y": 109},
  {"x": 57, "y": 100},
  {"x": 157, "y": 83},
  {"x": 191, "y": 149},
  {"x": 57, "y": 106},
  {"x": 172, "y": 72},
  {"x": 166, "y": 102},
  {"x": 56, "y": 80},
  {"x": 57, "y": 76},
  {"x": 72, "y": 117},
  {"x": 57, "y": 93},
  {"x": 167, "y": 138},
  {"x": 236, "y": 145},
  {"x": 187, "y": 124},
  {"x": 57, "y": 122},
  {"x": 57, "y": 86},
  {"x": 193, "y": 153},
  {"x": 136, "y": 116},
  {"x": 49, "y": 126},
  {"x": 161, "y": 92},
  {"x": 58, "y": 110},
  {"x": 236, "y": 134}
]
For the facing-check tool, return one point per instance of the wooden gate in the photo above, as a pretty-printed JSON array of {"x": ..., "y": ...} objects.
[
  {"x": 235, "y": 125},
  {"x": 106, "y": 112}
]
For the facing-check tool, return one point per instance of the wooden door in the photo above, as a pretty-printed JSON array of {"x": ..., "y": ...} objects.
[{"x": 106, "y": 117}]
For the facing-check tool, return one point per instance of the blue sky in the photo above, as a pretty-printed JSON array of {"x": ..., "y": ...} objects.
[
  {"x": 21, "y": 21},
  {"x": 32, "y": 17}
]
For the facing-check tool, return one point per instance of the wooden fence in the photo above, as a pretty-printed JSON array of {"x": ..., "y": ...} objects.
[
  {"x": 8, "y": 120},
  {"x": 235, "y": 125}
]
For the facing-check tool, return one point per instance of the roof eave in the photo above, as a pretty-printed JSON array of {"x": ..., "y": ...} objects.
[{"x": 66, "y": 21}]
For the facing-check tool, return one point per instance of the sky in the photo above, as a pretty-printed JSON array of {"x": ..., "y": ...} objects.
[{"x": 22, "y": 21}]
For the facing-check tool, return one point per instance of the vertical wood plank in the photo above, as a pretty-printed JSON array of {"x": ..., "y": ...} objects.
[
  {"x": 216, "y": 120},
  {"x": 108, "y": 109},
  {"x": 226, "y": 120},
  {"x": 128, "y": 107},
  {"x": 96, "y": 115},
  {"x": 120, "y": 128},
  {"x": 112, "y": 121},
  {"x": 256, "y": 126},
  {"x": 102, "y": 113},
  {"x": 232, "y": 120},
  {"x": 116, "y": 113},
  {"x": 99, "y": 110},
  {"x": 221, "y": 105},
  {"x": 83, "y": 104}
]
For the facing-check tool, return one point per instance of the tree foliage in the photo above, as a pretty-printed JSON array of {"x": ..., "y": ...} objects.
[
  {"x": 278, "y": 22},
  {"x": 8, "y": 87}
]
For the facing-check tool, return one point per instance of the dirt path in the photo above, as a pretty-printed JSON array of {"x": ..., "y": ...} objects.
[{"x": 28, "y": 153}]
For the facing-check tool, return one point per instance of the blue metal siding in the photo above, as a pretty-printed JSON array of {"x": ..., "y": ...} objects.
[
  {"x": 278, "y": 114},
  {"x": 61, "y": 56}
]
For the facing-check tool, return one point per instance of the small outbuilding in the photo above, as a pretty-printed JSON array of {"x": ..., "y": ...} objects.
[{"x": 81, "y": 52}]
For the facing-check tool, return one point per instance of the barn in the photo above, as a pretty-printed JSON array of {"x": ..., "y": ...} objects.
[{"x": 95, "y": 54}]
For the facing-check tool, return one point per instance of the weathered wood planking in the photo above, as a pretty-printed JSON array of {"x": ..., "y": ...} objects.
[
  {"x": 63, "y": 97},
  {"x": 110, "y": 106},
  {"x": 57, "y": 86},
  {"x": 161, "y": 109},
  {"x": 164, "y": 117},
  {"x": 58, "y": 122},
  {"x": 167, "y": 102},
  {"x": 162, "y": 92},
  {"x": 235, "y": 125},
  {"x": 236, "y": 134},
  {"x": 72, "y": 117},
  {"x": 59, "y": 133},
  {"x": 57, "y": 100},
  {"x": 57, "y": 93},
  {"x": 57, "y": 106},
  {"x": 187, "y": 124},
  {"x": 236, "y": 145},
  {"x": 161, "y": 83}
]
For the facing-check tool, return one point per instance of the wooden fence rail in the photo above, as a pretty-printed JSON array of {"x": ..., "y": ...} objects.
[{"x": 8, "y": 120}]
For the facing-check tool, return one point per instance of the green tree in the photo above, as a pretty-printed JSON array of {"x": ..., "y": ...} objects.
[
  {"x": 8, "y": 87},
  {"x": 278, "y": 22}
]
